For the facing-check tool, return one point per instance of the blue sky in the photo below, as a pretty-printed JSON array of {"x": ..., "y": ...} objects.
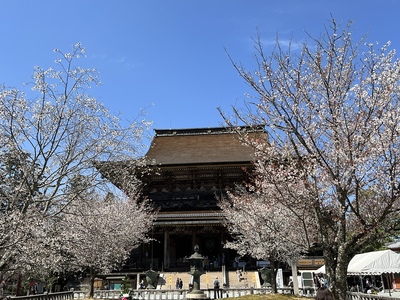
[{"x": 169, "y": 55}]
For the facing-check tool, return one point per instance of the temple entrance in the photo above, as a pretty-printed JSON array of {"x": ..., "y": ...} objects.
[
  {"x": 210, "y": 247},
  {"x": 183, "y": 246},
  {"x": 180, "y": 248}
]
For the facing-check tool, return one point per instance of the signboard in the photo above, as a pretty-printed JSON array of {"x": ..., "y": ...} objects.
[{"x": 305, "y": 262}]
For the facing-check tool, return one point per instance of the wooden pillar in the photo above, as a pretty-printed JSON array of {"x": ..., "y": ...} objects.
[
  {"x": 293, "y": 264},
  {"x": 194, "y": 239},
  {"x": 166, "y": 249},
  {"x": 137, "y": 281}
]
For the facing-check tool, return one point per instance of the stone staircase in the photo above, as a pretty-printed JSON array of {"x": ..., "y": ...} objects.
[
  {"x": 167, "y": 280},
  {"x": 246, "y": 279}
]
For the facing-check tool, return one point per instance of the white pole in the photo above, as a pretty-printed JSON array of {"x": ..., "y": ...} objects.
[{"x": 293, "y": 264}]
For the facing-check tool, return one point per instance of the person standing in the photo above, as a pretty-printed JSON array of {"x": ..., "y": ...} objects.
[
  {"x": 323, "y": 293},
  {"x": 290, "y": 285},
  {"x": 216, "y": 288},
  {"x": 141, "y": 284},
  {"x": 239, "y": 275},
  {"x": 180, "y": 283}
]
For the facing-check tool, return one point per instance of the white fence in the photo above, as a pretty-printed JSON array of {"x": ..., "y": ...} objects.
[
  {"x": 362, "y": 296},
  {"x": 46, "y": 296},
  {"x": 224, "y": 293},
  {"x": 174, "y": 294},
  {"x": 179, "y": 295}
]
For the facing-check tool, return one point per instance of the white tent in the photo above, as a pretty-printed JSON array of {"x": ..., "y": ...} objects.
[
  {"x": 374, "y": 263},
  {"x": 320, "y": 270}
]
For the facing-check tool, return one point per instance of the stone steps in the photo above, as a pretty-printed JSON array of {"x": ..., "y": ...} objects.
[{"x": 167, "y": 280}]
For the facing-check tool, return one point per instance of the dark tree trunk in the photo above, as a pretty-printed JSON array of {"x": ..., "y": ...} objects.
[
  {"x": 18, "y": 286},
  {"x": 273, "y": 275},
  {"x": 336, "y": 271},
  {"x": 92, "y": 277}
]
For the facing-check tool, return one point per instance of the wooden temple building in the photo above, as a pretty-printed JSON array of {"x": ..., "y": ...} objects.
[{"x": 191, "y": 168}]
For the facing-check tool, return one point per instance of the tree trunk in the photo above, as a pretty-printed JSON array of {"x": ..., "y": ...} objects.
[
  {"x": 336, "y": 270},
  {"x": 18, "y": 286},
  {"x": 92, "y": 276},
  {"x": 273, "y": 275}
]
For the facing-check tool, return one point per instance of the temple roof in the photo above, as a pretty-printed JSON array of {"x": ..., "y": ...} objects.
[
  {"x": 193, "y": 218},
  {"x": 200, "y": 146}
]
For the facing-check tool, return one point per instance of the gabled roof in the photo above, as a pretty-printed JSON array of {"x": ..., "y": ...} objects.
[{"x": 200, "y": 146}]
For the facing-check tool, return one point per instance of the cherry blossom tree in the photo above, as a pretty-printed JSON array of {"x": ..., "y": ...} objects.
[
  {"x": 334, "y": 107},
  {"x": 93, "y": 234},
  {"x": 52, "y": 135},
  {"x": 100, "y": 235},
  {"x": 260, "y": 219}
]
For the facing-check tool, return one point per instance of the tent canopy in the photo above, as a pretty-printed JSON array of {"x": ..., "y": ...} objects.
[
  {"x": 321, "y": 270},
  {"x": 374, "y": 263}
]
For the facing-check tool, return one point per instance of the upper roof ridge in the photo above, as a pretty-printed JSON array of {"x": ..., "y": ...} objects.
[{"x": 205, "y": 130}]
